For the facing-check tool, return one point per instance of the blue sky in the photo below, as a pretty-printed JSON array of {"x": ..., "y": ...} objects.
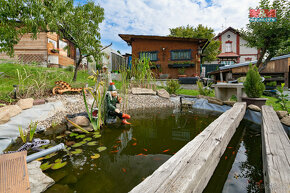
[{"x": 155, "y": 17}]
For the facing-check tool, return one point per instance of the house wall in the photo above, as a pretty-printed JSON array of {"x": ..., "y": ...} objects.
[
  {"x": 141, "y": 45},
  {"x": 30, "y": 50},
  {"x": 233, "y": 38},
  {"x": 247, "y": 52}
]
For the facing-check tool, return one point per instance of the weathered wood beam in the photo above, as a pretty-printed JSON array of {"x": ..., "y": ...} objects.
[
  {"x": 190, "y": 169},
  {"x": 276, "y": 153}
]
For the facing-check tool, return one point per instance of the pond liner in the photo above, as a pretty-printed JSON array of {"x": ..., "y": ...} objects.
[{"x": 250, "y": 115}]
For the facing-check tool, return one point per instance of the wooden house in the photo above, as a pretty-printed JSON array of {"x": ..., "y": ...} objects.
[
  {"x": 277, "y": 69},
  {"x": 168, "y": 54},
  {"x": 48, "y": 48}
]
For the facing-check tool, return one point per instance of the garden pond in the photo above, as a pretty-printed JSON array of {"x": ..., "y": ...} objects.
[{"x": 120, "y": 156}]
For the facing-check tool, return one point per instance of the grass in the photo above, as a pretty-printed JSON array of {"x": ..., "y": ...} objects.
[
  {"x": 272, "y": 102},
  {"x": 35, "y": 81}
]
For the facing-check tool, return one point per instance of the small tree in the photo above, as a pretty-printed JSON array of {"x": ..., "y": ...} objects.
[{"x": 254, "y": 86}]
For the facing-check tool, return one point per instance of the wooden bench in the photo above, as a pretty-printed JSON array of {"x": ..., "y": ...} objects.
[
  {"x": 190, "y": 169},
  {"x": 276, "y": 153}
]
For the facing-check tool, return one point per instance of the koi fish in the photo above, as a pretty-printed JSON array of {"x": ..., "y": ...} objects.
[
  {"x": 234, "y": 152},
  {"x": 115, "y": 146},
  {"x": 134, "y": 139},
  {"x": 114, "y": 151},
  {"x": 230, "y": 147},
  {"x": 145, "y": 149},
  {"x": 166, "y": 150},
  {"x": 134, "y": 144},
  {"x": 118, "y": 141},
  {"x": 226, "y": 157},
  {"x": 124, "y": 170}
]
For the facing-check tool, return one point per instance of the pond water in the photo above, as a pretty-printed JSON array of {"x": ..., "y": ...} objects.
[{"x": 135, "y": 151}]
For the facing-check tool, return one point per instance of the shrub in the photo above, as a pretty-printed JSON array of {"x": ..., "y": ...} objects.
[
  {"x": 254, "y": 86},
  {"x": 172, "y": 86},
  {"x": 282, "y": 98},
  {"x": 273, "y": 83},
  {"x": 203, "y": 90}
]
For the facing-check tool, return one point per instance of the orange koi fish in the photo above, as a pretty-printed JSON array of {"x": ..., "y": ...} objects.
[{"x": 166, "y": 150}]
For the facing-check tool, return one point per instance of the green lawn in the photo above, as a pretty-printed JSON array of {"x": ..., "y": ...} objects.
[{"x": 35, "y": 81}]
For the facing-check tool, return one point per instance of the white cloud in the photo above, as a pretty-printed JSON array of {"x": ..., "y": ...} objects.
[{"x": 155, "y": 17}]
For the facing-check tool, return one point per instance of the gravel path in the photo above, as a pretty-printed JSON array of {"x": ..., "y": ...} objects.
[{"x": 75, "y": 104}]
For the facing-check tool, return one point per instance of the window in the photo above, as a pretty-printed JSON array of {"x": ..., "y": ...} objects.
[
  {"x": 248, "y": 59},
  {"x": 228, "y": 47},
  {"x": 53, "y": 42},
  {"x": 153, "y": 56},
  {"x": 180, "y": 54},
  {"x": 227, "y": 62}
]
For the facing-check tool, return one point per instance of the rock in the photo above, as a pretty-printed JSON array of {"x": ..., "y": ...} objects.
[
  {"x": 50, "y": 100},
  {"x": 286, "y": 120},
  {"x": 25, "y": 103},
  {"x": 143, "y": 91},
  {"x": 13, "y": 110},
  {"x": 215, "y": 101},
  {"x": 38, "y": 102},
  {"x": 4, "y": 117},
  {"x": 254, "y": 108},
  {"x": 282, "y": 114},
  {"x": 187, "y": 103},
  {"x": 81, "y": 121},
  {"x": 229, "y": 103},
  {"x": 38, "y": 181},
  {"x": 163, "y": 93},
  {"x": 173, "y": 95}
]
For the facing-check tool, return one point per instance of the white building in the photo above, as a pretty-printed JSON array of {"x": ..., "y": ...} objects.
[{"x": 233, "y": 48}]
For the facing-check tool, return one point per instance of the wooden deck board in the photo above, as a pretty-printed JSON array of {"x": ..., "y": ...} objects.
[
  {"x": 276, "y": 153},
  {"x": 13, "y": 173},
  {"x": 190, "y": 169}
]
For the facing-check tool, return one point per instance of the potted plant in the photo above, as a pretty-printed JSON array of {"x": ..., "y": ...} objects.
[
  {"x": 181, "y": 72},
  {"x": 54, "y": 50},
  {"x": 254, "y": 87}
]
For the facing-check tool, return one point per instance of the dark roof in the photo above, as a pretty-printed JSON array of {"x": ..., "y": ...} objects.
[
  {"x": 227, "y": 54},
  {"x": 253, "y": 62},
  {"x": 228, "y": 29},
  {"x": 129, "y": 38}
]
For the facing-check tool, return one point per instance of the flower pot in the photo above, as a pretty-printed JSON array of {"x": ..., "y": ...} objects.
[
  {"x": 164, "y": 76},
  {"x": 255, "y": 101},
  {"x": 182, "y": 75}
]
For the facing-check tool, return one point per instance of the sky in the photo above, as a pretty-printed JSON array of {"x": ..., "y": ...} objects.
[{"x": 155, "y": 17}]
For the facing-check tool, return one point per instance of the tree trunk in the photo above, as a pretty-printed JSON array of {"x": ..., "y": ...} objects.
[
  {"x": 265, "y": 63},
  {"x": 76, "y": 68},
  {"x": 260, "y": 60}
]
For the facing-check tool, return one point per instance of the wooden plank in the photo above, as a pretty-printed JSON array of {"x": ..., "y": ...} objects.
[
  {"x": 13, "y": 173},
  {"x": 190, "y": 169},
  {"x": 276, "y": 153}
]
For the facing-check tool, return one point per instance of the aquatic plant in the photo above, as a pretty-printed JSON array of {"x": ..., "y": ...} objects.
[
  {"x": 45, "y": 166},
  {"x": 92, "y": 143},
  {"x": 87, "y": 139},
  {"x": 22, "y": 134},
  {"x": 97, "y": 136},
  {"x": 77, "y": 151},
  {"x": 58, "y": 165},
  {"x": 80, "y": 136},
  {"x": 100, "y": 149},
  {"x": 77, "y": 144},
  {"x": 32, "y": 128},
  {"x": 95, "y": 156}
]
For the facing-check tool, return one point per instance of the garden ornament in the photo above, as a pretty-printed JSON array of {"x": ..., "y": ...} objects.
[
  {"x": 34, "y": 145},
  {"x": 112, "y": 99}
]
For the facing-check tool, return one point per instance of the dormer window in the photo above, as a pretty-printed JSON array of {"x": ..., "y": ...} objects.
[{"x": 229, "y": 46}]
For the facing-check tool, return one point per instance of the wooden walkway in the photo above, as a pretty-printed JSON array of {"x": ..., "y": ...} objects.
[
  {"x": 276, "y": 153},
  {"x": 190, "y": 169}
]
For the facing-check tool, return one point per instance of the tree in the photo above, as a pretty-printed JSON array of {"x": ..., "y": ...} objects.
[
  {"x": 211, "y": 51},
  {"x": 272, "y": 38},
  {"x": 78, "y": 24}
]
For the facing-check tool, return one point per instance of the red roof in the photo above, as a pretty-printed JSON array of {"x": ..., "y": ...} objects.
[{"x": 227, "y": 54}]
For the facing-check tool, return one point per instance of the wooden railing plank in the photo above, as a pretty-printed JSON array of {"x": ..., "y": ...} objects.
[
  {"x": 190, "y": 169},
  {"x": 276, "y": 153}
]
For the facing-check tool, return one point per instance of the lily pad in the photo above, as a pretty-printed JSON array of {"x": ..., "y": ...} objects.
[
  {"x": 97, "y": 136},
  {"x": 88, "y": 139},
  {"x": 77, "y": 144},
  {"x": 100, "y": 149},
  {"x": 60, "y": 136},
  {"x": 92, "y": 143},
  {"x": 57, "y": 160},
  {"x": 50, "y": 155},
  {"x": 82, "y": 142},
  {"x": 77, "y": 151},
  {"x": 45, "y": 166},
  {"x": 80, "y": 136},
  {"x": 95, "y": 156},
  {"x": 96, "y": 133},
  {"x": 73, "y": 134},
  {"x": 58, "y": 165}
]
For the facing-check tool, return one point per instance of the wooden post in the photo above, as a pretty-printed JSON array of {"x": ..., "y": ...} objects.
[
  {"x": 221, "y": 76},
  {"x": 286, "y": 79},
  {"x": 190, "y": 169},
  {"x": 276, "y": 153}
]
